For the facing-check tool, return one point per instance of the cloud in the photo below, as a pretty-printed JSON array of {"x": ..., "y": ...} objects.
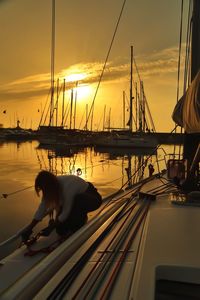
[
  {"x": 156, "y": 63},
  {"x": 162, "y": 62},
  {"x": 4, "y": 1}
]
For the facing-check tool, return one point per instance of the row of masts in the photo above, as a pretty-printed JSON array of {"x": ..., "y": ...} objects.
[
  {"x": 139, "y": 120},
  {"x": 63, "y": 112}
]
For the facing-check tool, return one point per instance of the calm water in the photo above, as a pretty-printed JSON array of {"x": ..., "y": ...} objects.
[{"x": 20, "y": 163}]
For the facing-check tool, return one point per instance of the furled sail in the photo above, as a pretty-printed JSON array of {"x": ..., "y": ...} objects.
[{"x": 187, "y": 110}]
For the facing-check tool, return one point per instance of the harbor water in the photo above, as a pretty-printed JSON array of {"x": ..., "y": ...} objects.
[{"x": 107, "y": 169}]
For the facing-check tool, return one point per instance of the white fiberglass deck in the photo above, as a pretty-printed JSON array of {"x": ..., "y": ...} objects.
[
  {"x": 145, "y": 244},
  {"x": 170, "y": 248}
]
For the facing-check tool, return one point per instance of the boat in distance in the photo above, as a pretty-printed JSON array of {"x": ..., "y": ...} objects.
[{"x": 126, "y": 141}]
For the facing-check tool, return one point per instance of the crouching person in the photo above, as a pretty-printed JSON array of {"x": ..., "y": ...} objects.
[{"x": 69, "y": 196}]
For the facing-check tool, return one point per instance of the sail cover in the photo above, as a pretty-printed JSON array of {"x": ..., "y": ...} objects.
[{"x": 187, "y": 110}]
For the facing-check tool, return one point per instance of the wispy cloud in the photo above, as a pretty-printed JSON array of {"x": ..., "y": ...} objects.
[
  {"x": 156, "y": 63},
  {"x": 162, "y": 62}
]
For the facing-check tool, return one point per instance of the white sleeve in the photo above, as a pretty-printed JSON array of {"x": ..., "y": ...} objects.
[
  {"x": 67, "y": 205},
  {"x": 41, "y": 211},
  {"x": 70, "y": 188}
]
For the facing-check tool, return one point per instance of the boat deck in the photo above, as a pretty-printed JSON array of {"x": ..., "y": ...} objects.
[
  {"x": 170, "y": 248},
  {"x": 133, "y": 249}
]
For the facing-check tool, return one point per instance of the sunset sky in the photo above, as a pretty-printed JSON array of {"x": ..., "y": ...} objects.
[{"x": 84, "y": 29}]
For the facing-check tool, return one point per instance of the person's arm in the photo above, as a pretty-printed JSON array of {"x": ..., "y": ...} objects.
[
  {"x": 28, "y": 230},
  {"x": 33, "y": 223},
  {"x": 40, "y": 212},
  {"x": 38, "y": 216}
]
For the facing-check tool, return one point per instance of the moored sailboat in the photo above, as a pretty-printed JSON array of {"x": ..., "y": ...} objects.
[{"x": 127, "y": 137}]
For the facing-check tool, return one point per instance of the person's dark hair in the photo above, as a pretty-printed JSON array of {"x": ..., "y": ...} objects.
[{"x": 48, "y": 184}]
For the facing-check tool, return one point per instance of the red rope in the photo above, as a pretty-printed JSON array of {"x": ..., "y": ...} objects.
[
  {"x": 121, "y": 259},
  {"x": 101, "y": 256}
]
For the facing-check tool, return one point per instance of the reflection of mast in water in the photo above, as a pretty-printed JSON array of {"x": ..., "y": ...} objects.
[
  {"x": 50, "y": 160},
  {"x": 72, "y": 162},
  {"x": 85, "y": 161},
  {"x": 129, "y": 171},
  {"x": 141, "y": 167},
  {"x": 123, "y": 161},
  {"x": 41, "y": 160},
  {"x": 137, "y": 173},
  {"x": 62, "y": 165}
]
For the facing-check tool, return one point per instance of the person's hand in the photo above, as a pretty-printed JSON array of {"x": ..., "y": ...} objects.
[{"x": 26, "y": 234}]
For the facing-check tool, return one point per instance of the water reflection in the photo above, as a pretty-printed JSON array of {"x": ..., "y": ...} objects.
[
  {"x": 130, "y": 163},
  {"x": 109, "y": 169}
]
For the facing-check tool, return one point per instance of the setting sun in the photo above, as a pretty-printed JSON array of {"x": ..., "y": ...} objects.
[
  {"x": 75, "y": 77},
  {"x": 83, "y": 92}
]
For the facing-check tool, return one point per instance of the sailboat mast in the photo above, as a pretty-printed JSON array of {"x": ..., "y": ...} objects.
[
  {"x": 63, "y": 103},
  {"x": 51, "y": 121},
  {"x": 109, "y": 117},
  {"x": 124, "y": 101},
  {"x": 136, "y": 107},
  {"x": 86, "y": 112},
  {"x": 131, "y": 93},
  {"x": 195, "y": 57},
  {"x": 75, "y": 103},
  {"x": 71, "y": 108},
  {"x": 104, "y": 117}
]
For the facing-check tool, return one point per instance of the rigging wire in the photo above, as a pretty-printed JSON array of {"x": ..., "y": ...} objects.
[
  {"x": 187, "y": 49},
  {"x": 150, "y": 116},
  {"x": 179, "y": 55},
  {"x": 179, "y": 61},
  {"x": 187, "y": 58},
  {"x": 42, "y": 115},
  {"x": 104, "y": 66}
]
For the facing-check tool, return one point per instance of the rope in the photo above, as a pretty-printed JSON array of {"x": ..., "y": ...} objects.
[{"x": 4, "y": 196}]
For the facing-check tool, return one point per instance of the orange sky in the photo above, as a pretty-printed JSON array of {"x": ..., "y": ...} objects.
[{"x": 83, "y": 34}]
